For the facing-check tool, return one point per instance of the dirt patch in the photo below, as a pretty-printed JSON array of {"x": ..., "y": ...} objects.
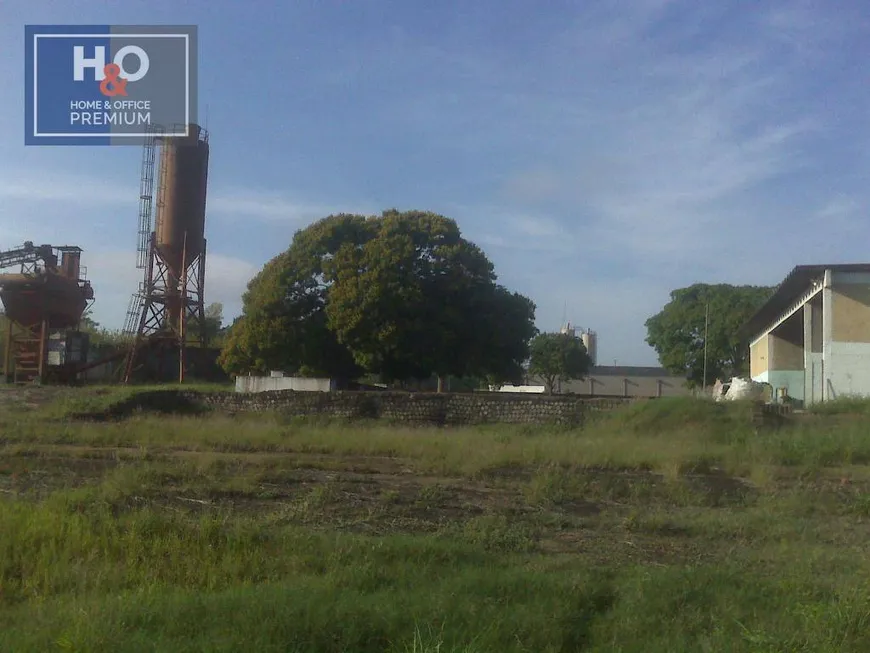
[
  {"x": 507, "y": 473},
  {"x": 36, "y": 478}
]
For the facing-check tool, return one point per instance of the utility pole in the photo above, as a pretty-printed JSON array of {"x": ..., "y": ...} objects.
[{"x": 706, "y": 324}]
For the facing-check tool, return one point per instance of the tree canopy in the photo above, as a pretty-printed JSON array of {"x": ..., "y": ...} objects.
[
  {"x": 558, "y": 357},
  {"x": 677, "y": 331},
  {"x": 402, "y": 295}
]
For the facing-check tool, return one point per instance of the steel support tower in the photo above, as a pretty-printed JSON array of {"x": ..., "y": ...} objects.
[{"x": 168, "y": 311}]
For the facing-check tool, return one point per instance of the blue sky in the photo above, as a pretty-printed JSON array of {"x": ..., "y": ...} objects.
[{"x": 602, "y": 153}]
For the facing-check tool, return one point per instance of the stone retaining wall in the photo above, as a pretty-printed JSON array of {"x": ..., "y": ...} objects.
[{"x": 432, "y": 408}]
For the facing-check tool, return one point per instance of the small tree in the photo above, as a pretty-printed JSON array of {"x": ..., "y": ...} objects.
[
  {"x": 558, "y": 357},
  {"x": 214, "y": 319}
]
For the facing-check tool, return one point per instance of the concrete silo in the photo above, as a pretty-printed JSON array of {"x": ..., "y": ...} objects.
[
  {"x": 180, "y": 223},
  {"x": 171, "y": 297},
  {"x": 590, "y": 341}
]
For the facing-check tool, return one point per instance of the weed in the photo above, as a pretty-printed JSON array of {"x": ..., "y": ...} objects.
[
  {"x": 498, "y": 533},
  {"x": 430, "y": 496},
  {"x": 554, "y": 486}
]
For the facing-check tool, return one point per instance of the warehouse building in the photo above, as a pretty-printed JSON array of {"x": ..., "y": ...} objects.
[{"x": 811, "y": 340}]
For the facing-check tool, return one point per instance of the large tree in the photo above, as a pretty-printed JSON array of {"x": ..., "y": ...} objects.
[
  {"x": 402, "y": 296},
  {"x": 558, "y": 357},
  {"x": 677, "y": 331},
  {"x": 418, "y": 299},
  {"x": 283, "y": 323}
]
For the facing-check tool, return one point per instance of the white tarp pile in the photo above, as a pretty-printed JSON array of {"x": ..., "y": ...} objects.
[{"x": 739, "y": 389}]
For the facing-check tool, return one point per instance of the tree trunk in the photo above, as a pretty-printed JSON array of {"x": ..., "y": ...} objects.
[{"x": 440, "y": 383}]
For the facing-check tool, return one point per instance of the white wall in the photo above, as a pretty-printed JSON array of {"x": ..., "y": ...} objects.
[
  {"x": 271, "y": 383},
  {"x": 848, "y": 369},
  {"x": 518, "y": 388},
  {"x": 792, "y": 380}
]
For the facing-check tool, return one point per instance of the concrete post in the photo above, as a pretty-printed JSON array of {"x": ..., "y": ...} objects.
[
  {"x": 827, "y": 333},
  {"x": 808, "y": 354}
]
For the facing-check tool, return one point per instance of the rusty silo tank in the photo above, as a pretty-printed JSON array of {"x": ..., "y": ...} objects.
[{"x": 183, "y": 178}]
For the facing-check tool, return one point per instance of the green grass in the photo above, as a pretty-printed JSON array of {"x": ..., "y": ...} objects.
[
  {"x": 843, "y": 405},
  {"x": 96, "y": 398},
  {"x": 617, "y": 442},
  {"x": 666, "y": 526}
]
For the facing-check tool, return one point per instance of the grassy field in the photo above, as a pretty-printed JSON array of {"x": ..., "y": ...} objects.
[{"x": 673, "y": 525}]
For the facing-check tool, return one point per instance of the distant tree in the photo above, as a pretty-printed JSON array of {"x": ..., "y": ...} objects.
[
  {"x": 677, "y": 331},
  {"x": 100, "y": 337},
  {"x": 87, "y": 322},
  {"x": 558, "y": 357},
  {"x": 214, "y": 318}
]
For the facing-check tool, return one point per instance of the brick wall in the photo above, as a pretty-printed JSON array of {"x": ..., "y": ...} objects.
[{"x": 433, "y": 408}]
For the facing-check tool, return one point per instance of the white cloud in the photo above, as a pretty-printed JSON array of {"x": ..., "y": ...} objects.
[
  {"x": 272, "y": 207},
  {"x": 115, "y": 278},
  {"x": 38, "y": 186},
  {"x": 674, "y": 156},
  {"x": 533, "y": 185},
  {"x": 46, "y": 186}
]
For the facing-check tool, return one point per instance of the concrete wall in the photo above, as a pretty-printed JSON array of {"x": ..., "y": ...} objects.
[
  {"x": 601, "y": 385},
  {"x": 623, "y": 381},
  {"x": 274, "y": 383},
  {"x": 758, "y": 357},
  {"x": 851, "y": 312},
  {"x": 847, "y": 354},
  {"x": 792, "y": 380},
  {"x": 847, "y": 370},
  {"x": 429, "y": 408},
  {"x": 785, "y": 354},
  {"x": 604, "y": 384}
]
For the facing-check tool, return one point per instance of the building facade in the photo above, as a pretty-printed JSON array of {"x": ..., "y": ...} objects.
[{"x": 811, "y": 340}]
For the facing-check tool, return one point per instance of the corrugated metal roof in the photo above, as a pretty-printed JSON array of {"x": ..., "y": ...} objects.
[{"x": 795, "y": 284}]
